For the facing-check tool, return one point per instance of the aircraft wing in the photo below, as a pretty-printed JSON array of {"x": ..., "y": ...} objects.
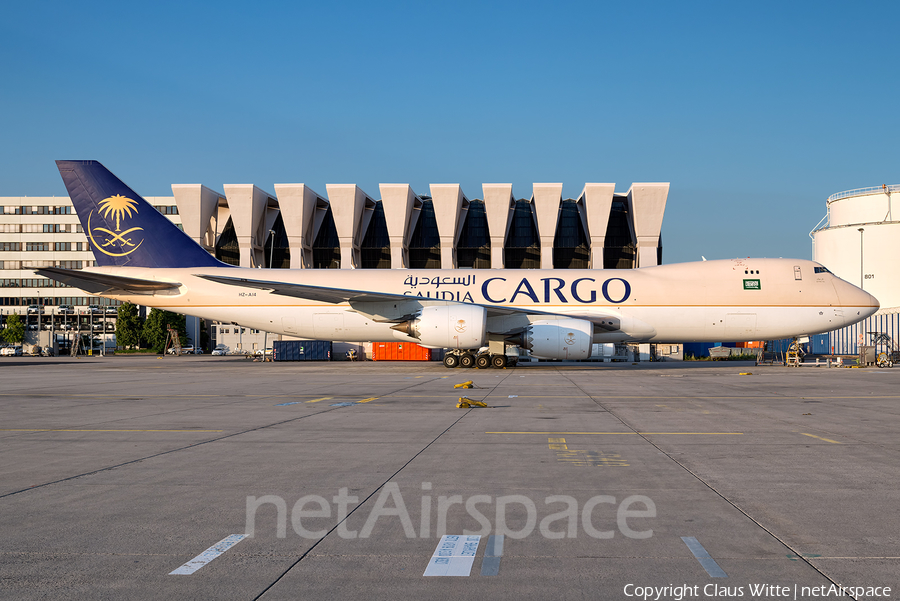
[
  {"x": 316, "y": 293},
  {"x": 102, "y": 283},
  {"x": 342, "y": 295}
]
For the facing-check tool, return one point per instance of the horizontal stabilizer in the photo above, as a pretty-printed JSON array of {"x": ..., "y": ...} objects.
[{"x": 102, "y": 283}]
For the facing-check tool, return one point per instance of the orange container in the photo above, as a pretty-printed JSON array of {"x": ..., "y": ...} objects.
[
  {"x": 399, "y": 351},
  {"x": 753, "y": 344}
]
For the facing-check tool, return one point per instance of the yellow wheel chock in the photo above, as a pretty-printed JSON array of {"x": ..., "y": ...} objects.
[{"x": 467, "y": 403}]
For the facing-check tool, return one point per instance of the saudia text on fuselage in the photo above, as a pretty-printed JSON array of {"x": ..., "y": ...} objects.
[{"x": 497, "y": 290}]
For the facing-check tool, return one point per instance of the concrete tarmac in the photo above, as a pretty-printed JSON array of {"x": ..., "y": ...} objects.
[{"x": 605, "y": 481}]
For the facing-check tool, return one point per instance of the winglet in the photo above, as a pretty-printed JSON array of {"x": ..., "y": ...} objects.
[{"x": 123, "y": 228}]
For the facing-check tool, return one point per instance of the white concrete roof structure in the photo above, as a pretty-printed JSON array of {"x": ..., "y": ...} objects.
[
  {"x": 499, "y": 205},
  {"x": 450, "y": 207},
  {"x": 401, "y": 211},
  {"x": 648, "y": 204},
  {"x": 545, "y": 203},
  {"x": 302, "y": 211},
  {"x": 348, "y": 204},
  {"x": 597, "y": 202},
  {"x": 248, "y": 206},
  {"x": 198, "y": 206}
]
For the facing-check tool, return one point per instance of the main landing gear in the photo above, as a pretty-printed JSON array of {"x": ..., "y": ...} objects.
[{"x": 480, "y": 360}]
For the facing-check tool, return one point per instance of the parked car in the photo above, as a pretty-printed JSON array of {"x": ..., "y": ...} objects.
[
  {"x": 94, "y": 309},
  {"x": 11, "y": 351},
  {"x": 185, "y": 350},
  {"x": 111, "y": 310},
  {"x": 34, "y": 310},
  {"x": 66, "y": 310},
  {"x": 220, "y": 350}
]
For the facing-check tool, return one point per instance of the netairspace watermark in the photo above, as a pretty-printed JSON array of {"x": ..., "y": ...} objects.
[
  {"x": 515, "y": 516},
  {"x": 752, "y": 591}
]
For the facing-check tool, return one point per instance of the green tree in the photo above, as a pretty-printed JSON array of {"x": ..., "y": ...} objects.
[
  {"x": 15, "y": 329},
  {"x": 129, "y": 326},
  {"x": 155, "y": 329}
]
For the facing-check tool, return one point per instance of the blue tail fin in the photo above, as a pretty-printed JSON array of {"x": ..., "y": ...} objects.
[{"x": 122, "y": 227}]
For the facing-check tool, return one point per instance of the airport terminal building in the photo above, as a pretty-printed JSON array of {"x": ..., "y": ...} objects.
[{"x": 296, "y": 227}]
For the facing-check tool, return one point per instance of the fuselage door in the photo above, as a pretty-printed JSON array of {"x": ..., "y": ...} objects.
[
  {"x": 797, "y": 274},
  {"x": 290, "y": 325}
]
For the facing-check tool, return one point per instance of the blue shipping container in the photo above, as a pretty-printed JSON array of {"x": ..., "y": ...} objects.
[
  {"x": 698, "y": 349},
  {"x": 818, "y": 344},
  {"x": 302, "y": 350}
]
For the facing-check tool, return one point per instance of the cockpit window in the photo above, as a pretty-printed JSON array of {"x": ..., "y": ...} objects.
[{"x": 820, "y": 269}]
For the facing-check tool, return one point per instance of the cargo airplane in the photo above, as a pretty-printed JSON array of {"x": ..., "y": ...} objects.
[{"x": 142, "y": 257}]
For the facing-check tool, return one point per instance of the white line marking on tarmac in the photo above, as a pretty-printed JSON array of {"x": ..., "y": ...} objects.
[
  {"x": 208, "y": 555},
  {"x": 709, "y": 564},
  {"x": 490, "y": 563},
  {"x": 453, "y": 556}
]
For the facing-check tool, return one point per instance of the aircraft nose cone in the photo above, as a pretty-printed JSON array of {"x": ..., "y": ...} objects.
[
  {"x": 857, "y": 298},
  {"x": 874, "y": 302}
]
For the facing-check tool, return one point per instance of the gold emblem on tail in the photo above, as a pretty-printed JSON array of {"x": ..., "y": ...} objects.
[{"x": 116, "y": 207}]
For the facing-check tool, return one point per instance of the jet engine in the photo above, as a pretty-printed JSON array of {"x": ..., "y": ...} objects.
[
  {"x": 447, "y": 326},
  {"x": 558, "y": 339}
]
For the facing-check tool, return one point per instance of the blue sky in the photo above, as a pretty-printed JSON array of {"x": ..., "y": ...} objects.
[{"x": 754, "y": 112}]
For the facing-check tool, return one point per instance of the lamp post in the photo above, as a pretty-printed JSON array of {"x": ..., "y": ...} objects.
[
  {"x": 271, "y": 255},
  {"x": 861, "y": 276}
]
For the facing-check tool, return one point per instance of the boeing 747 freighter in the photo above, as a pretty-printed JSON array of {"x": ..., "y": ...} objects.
[{"x": 142, "y": 257}]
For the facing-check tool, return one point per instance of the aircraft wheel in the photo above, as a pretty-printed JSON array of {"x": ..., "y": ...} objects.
[
  {"x": 483, "y": 361},
  {"x": 451, "y": 360},
  {"x": 467, "y": 360},
  {"x": 498, "y": 361}
]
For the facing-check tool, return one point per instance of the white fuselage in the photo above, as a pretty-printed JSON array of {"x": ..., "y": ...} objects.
[{"x": 728, "y": 300}]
